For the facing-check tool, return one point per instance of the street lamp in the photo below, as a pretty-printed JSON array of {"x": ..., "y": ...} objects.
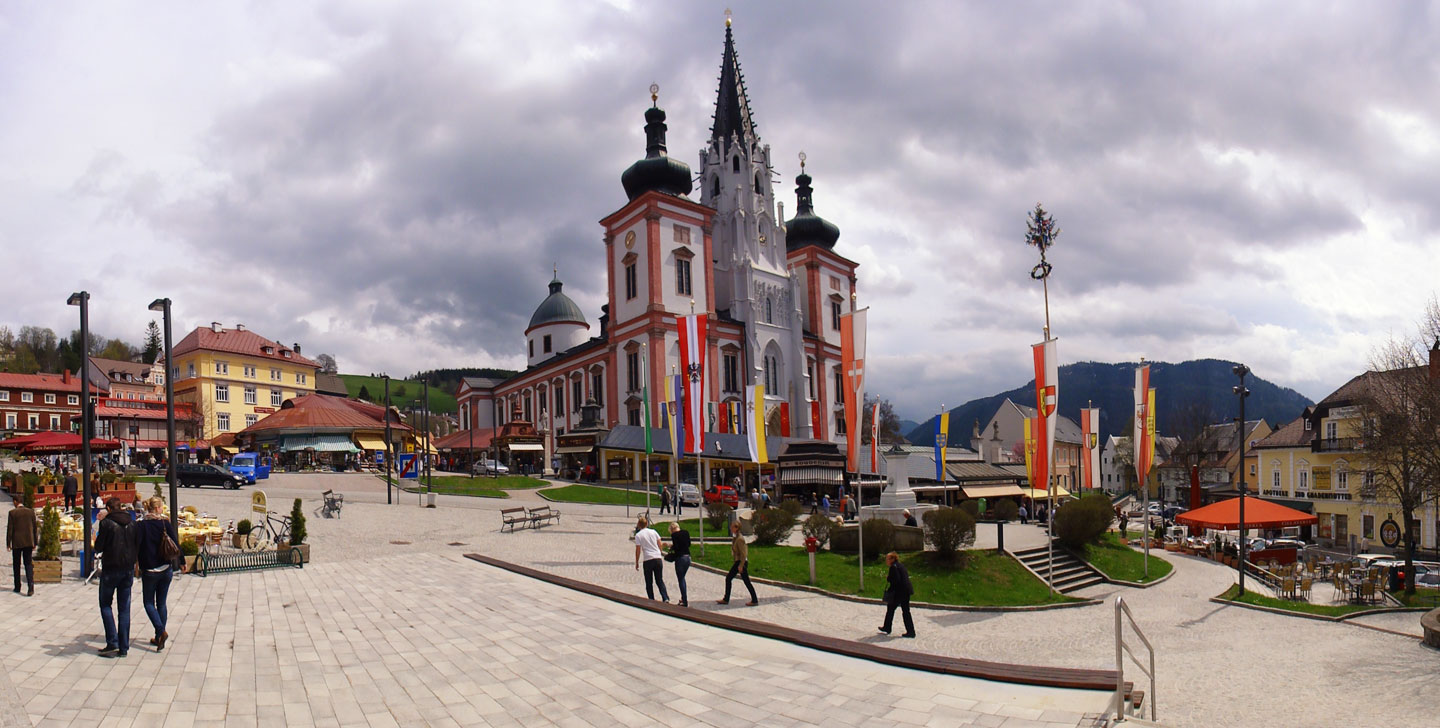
[
  {"x": 389, "y": 451},
  {"x": 162, "y": 306},
  {"x": 1240, "y": 391},
  {"x": 82, "y": 299}
]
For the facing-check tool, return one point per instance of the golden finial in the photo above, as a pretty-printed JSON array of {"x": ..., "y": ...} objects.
[
  {"x": 654, "y": 93},
  {"x": 802, "y": 163},
  {"x": 692, "y": 306},
  {"x": 727, "y": 17}
]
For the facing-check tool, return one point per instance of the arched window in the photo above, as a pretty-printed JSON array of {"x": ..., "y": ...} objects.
[
  {"x": 715, "y": 186},
  {"x": 769, "y": 311},
  {"x": 735, "y": 163},
  {"x": 757, "y": 183},
  {"x": 769, "y": 374}
]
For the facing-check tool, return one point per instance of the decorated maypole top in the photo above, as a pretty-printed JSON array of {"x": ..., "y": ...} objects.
[{"x": 1041, "y": 232}]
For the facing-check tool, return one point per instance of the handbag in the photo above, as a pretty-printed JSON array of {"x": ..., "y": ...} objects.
[
  {"x": 670, "y": 556},
  {"x": 168, "y": 550},
  {"x": 888, "y": 596}
]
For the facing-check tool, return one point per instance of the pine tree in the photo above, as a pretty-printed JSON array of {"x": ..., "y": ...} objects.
[
  {"x": 364, "y": 393},
  {"x": 152, "y": 343}
]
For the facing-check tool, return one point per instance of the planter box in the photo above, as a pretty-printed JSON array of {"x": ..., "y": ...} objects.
[
  {"x": 189, "y": 564},
  {"x": 238, "y": 541},
  {"x": 303, "y": 548},
  {"x": 47, "y": 572},
  {"x": 846, "y": 539}
]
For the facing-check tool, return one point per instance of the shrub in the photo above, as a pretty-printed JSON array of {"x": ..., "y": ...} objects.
[
  {"x": 31, "y": 479},
  {"x": 1083, "y": 521},
  {"x": 244, "y": 527},
  {"x": 972, "y": 507},
  {"x": 772, "y": 525},
  {"x": 107, "y": 478},
  {"x": 1005, "y": 510},
  {"x": 49, "y": 546},
  {"x": 159, "y": 492},
  {"x": 949, "y": 530},
  {"x": 793, "y": 507},
  {"x": 819, "y": 528},
  {"x": 28, "y": 499},
  {"x": 297, "y": 524},
  {"x": 717, "y": 514},
  {"x": 188, "y": 547},
  {"x": 879, "y": 536}
]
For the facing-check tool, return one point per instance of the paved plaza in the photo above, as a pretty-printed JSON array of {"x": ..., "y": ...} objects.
[{"x": 392, "y": 626}]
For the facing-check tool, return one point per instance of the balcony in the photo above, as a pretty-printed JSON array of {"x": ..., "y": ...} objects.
[{"x": 1337, "y": 444}]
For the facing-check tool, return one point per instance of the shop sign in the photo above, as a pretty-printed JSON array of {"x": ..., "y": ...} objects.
[
  {"x": 1390, "y": 533},
  {"x": 1320, "y": 478},
  {"x": 257, "y": 502}
]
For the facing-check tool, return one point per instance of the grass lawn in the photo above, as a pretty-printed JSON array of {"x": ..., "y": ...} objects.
[
  {"x": 150, "y": 479},
  {"x": 478, "y": 486},
  {"x": 662, "y": 527},
  {"x": 987, "y": 579},
  {"x": 440, "y": 400},
  {"x": 1119, "y": 561},
  {"x": 1421, "y": 598},
  {"x": 1260, "y": 600},
  {"x": 601, "y": 495}
]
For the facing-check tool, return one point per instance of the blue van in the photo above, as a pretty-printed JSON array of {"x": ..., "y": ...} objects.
[{"x": 251, "y": 466}]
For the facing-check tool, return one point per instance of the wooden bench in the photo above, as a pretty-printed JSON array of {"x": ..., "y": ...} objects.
[
  {"x": 512, "y": 516},
  {"x": 543, "y": 515}
]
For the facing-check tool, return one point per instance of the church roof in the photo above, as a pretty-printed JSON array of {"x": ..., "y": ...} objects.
[
  {"x": 557, "y": 308},
  {"x": 807, "y": 228},
  {"x": 657, "y": 171},
  {"x": 732, "y": 104}
]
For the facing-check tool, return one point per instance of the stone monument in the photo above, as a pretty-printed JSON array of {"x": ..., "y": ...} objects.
[{"x": 897, "y": 496}]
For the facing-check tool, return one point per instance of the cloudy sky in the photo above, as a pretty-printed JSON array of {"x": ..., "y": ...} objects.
[{"x": 391, "y": 182}]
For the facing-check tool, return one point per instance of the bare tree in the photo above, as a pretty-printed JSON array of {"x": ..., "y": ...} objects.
[
  {"x": 327, "y": 364},
  {"x": 1399, "y": 409},
  {"x": 889, "y": 431}
]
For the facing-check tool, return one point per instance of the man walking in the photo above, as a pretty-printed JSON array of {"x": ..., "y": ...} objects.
[
  {"x": 647, "y": 550},
  {"x": 20, "y": 539},
  {"x": 116, "y": 544},
  {"x": 740, "y": 553},
  {"x": 71, "y": 486},
  {"x": 897, "y": 594},
  {"x": 665, "y": 499}
]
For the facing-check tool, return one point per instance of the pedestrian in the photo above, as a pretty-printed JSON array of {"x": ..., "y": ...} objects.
[
  {"x": 155, "y": 569},
  {"x": 844, "y": 505},
  {"x": 20, "y": 539},
  {"x": 825, "y": 505},
  {"x": 680, "y": 555},
  {"x": 647, "y": 550},
  {"x": 814, "y": 504},
  {"x": 116, "y": 544},
  {"x": 910, "y": 519},
  {"x": 71, "y": 487},
  {"x": 740, "y": 554},
  {"x": 897, "y": 594},
  {"x": 665, "y": 499},
  {"x": 854, "y": 505},
  {"x": 1024, "y": 515}
]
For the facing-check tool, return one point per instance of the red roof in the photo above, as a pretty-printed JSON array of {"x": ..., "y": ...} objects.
[
  {"x": 44, "y": 382},
  {"x": 323, "y": 411},
  {"x": 460, "y": 440},
  {"x": 236, "y": 341},
  {"x": 1258, "y": 514}
]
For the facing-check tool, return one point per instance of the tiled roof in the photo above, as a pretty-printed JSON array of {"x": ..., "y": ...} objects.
[
  {"x": 1291, "y": 434},
  {"x": 235, "y": 341},
  {"x": 43, "y": 382},
  {"x": 139, "y": 371},
  {"x": 330, "y": 384},
  {"x": 323, "y": 412},
  {"x": 460, "y": 440},
  {"x": 1066, "y": 430}
]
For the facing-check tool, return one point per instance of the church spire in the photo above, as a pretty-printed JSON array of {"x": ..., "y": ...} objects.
[{"x": 732, "y": 105}]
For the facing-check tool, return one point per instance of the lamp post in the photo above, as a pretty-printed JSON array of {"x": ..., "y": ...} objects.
[
  {"x": 82, "y": 299},
  {"x": 162, "y": 305},
  {"x": 1240, "y": 391},
  {"x": 389, "y": 451}
]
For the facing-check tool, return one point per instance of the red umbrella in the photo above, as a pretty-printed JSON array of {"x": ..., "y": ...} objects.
[
  {"x": 1258, "y": 514},
  {"x": 50, "y": 443},
  {"x": 14, "y": 443}
]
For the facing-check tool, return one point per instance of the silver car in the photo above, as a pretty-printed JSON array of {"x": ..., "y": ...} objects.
[
  {"x": 491, "y": 467},
  {"x": 689, "y": 494}
]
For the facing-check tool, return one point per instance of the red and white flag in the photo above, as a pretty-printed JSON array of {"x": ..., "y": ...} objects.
[
  {"x": 852, "y": 363},
  {"x": 692, "y": 371},
  {"x": 1047, "y": 399},
  {"x": 1090, "y": 444},
  {"x": 1144, "y": 434}
]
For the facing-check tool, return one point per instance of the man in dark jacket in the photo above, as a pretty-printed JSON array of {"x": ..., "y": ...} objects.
[
  {"x": 897, "y": 594},
  {"x": 71, "y": 486},
  {"x": 116, "y": 544},
  {"x": 20, "y": 539}
]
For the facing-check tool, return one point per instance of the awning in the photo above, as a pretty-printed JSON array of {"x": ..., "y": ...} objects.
[
  {"x": 370, "y": 443},
  {"x": 992, "y": 491},
  {"x": 812, "y": 475},
  {"x": 1258, "y": 514},
  {"x": 574, "y": 450},
  {"x": 1041, "y": 494},
  {"x": 319, "y": 443},
  {"x": 526, "y": 447}
]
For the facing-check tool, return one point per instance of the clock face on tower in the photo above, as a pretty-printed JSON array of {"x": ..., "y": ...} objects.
[{"x": 630, "y": 240}]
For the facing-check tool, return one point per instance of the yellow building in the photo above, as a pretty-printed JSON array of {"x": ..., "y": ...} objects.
[{"x": 234, "y": 377}]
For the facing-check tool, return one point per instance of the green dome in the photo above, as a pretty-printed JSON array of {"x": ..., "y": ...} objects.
[
  {"x": 807, "y": 228},
  {"x": 557, "y": 308},
  {"x": 657, "y": 171}
]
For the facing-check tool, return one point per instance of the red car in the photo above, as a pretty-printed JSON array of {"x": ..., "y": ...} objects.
[{"x": 724, "y": 494}]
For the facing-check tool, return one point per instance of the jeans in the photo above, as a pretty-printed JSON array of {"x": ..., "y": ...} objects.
[
  {"x": 23, "y": 555},
  {"x": 664, "y": 505},
  {"x": 654, "y": 575},
  {"x": 743, "y": 569},
  {"x": 69, "y": 501},
  {"x": 154, "y": 588},
  {"x": 113, "y": 586},
  {"x": 904, "y": 604},
  {"x": 682, "y": 565}
]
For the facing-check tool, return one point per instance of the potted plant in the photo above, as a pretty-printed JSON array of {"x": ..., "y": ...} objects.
[
  {"x": 47, "y": 552},
  {"x": 297, "y": 534},
  {"x": 241, "y": 538},
  {"x": 189, "y": 550}
]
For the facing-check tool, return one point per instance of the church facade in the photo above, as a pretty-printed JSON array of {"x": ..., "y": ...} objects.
[{"x": 774, "y": 291}]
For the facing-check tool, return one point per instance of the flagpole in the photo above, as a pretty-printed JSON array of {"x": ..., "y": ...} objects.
[
  {"x": 1041, "y": 232},
  {"x": 645, "y": 391}
]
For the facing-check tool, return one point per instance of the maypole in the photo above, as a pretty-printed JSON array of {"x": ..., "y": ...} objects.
[{"x": 1041, "y": 232}]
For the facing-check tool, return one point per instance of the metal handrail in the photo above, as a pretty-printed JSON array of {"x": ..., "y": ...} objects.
[{"x": 1121, "y": 645}]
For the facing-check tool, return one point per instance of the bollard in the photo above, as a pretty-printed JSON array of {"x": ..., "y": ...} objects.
[
  {"x": 999, "y": 537},
  {"x": 811, "y": 546}
]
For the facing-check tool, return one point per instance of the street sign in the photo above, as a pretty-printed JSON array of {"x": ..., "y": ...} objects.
[
  {"x": 407, "y": 462},
  {"x": 257, "y": 502}
]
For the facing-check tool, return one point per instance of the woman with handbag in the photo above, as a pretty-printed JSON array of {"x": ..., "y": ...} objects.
[
  {"x": 680, "y": 556},
  {"x": 156, "y": 550}
]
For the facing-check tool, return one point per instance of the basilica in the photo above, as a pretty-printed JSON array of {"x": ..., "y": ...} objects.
[{"x": 774, "y": 291}]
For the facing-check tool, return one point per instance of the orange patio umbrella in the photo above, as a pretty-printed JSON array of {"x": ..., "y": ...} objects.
[{"x": 1258, "y": 514}]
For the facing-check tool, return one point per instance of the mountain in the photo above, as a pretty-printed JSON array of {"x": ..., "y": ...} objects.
[
  {"x": 908, "y": 426},
  {"x": 1205, "y": 383}
]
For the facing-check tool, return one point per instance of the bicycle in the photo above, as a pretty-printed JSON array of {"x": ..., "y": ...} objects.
[{"x": 271, "y": 531}]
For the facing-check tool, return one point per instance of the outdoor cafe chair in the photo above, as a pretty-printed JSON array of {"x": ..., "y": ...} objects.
[
  {"x": 1305, "y": 585},
  {"x": 1287, "y": 587}
]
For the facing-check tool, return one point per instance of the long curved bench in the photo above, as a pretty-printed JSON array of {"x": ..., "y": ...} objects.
[{"x": 1431, "y": 624}]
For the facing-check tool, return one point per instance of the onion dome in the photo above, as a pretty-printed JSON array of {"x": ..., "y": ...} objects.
[
  {"x": 557, "y": 308},
  {"x": 807, "y": 228},
  {"x": 657, "y": 171}
]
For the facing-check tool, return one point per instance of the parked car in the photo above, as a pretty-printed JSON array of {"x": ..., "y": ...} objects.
[
  {"x": 1286, "y": 543},
  {"x": 1156, "y": 509},
  {"x": 1170, "y": 513},
  {"x": 689, "y": 494},
  {"x": 250, "y": 466},
  {"x": 1429, "y": 579},
  {"x": 491, "y": 467},
  {"x": 724, "y": 494},
  {"x": 194, "y": 476}
]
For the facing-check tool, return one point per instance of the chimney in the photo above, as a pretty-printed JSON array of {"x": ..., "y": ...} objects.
[
  {"x": 239, "y": 327},
  {"x": 66, "y": 378},
  {"x": 1435, "y": 361},
  {"x": 296, "y": 347},
  {"x": 216, "y": 327},
  {"x": 604, "y": 320}
]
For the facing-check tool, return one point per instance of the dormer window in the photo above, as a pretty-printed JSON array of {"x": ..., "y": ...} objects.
[
  {"x": 268, "y": 350},
  {"x": 285, "y": 353}
]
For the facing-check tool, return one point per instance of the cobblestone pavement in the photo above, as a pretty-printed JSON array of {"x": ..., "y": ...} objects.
[{"x": 1218, "y": 665}]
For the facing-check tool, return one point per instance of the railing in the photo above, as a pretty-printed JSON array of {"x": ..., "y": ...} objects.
[
  {"x": 1262, "y": 575},
  {"x": 1120, "y": 703},
  {"x": 1337, "y": 444}
]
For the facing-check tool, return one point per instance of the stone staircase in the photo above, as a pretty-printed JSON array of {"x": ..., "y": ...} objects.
[{"x": 1071, "y": 574}]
